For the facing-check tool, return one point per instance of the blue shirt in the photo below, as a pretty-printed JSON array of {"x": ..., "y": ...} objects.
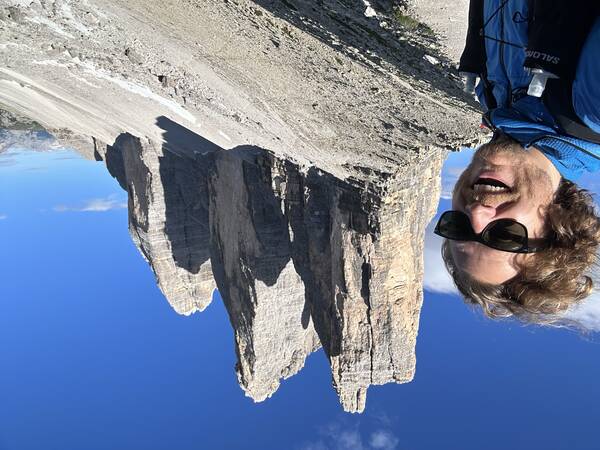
[{"x": 527, "y": 120}]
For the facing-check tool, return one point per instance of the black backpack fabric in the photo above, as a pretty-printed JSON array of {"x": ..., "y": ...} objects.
[{"x": 557, "y": 31}]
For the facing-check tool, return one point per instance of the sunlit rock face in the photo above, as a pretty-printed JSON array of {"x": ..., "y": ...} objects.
[
  {"x": 252, "y": 254},
  {"x": 301, "y": 258},
  {"x": 376, "y": 284}
]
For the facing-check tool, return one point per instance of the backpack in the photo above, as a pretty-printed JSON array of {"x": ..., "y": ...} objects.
[{"x": 556, "y": 33}]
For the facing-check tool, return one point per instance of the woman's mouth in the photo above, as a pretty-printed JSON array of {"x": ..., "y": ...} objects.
[{"x": 490, "y": 185}]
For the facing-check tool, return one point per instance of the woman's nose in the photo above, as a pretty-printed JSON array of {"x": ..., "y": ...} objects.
[{"x": 480, "y": 216}]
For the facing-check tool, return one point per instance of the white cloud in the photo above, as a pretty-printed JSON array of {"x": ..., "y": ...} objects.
[
  {"x": 94, "y": 205},
  {"x": 100, "y": 205},
  {"x": 450, "y": 176},
  {"x": 436, "y": 277},
  {"x": 587, "y": 313},
  {"x": 383, "y": 440},
  {"x": 336, "y": 437},
  {"x": 3, "y": 217},
  {"x": 348, "y": 440}
]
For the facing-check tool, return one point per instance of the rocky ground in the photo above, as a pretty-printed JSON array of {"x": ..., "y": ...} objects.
[{"x": 325, "y": 85}]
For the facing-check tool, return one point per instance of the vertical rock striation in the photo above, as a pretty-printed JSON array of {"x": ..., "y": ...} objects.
[
  {"x": 168, "y": 217},
  {"x": 254, "y": 268},
  {"x": 378, "y": 287},
  {"x": 301, "y": 258}
]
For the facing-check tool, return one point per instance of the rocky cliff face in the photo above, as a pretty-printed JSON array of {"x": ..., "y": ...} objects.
[
  {"x": 168, "y": 217},
  {"x": 285, "y": 152},
  {"x": 301, "y": 259}
]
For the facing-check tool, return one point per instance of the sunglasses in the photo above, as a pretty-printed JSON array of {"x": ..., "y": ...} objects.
[{"x": 506, "y": 235}]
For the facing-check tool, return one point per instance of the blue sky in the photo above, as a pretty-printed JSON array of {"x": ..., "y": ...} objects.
[{"x": 93, "y": 357}]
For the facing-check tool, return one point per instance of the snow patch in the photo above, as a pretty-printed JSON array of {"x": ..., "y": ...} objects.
[
  {"x": 369, "y": 12},
  {"x": 222, "y": 134},
  {"x": 140, "y": 90},
  {"x": 431, "y": 59},
  {"x": 68, "y": 14}
]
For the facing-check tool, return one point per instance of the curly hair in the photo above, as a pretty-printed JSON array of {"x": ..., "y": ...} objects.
[{"x": 551, "y": 280}]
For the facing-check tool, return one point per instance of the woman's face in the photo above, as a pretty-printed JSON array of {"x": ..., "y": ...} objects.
[{"x": 501, "y": 182}]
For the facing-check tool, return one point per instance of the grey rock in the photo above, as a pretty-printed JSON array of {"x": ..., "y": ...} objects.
[
  {"x": 301, "y": 259},
  {"x": 133, "y": 55},
  {"x": 168, "y": 218},
  {"x": 15, "y": 13},
  {"x": 10, "y": 120}
]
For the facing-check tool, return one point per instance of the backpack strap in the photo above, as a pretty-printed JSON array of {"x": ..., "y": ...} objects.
[
  {"x": 557, "y": 32},
  {"x": 474, "y": 57},
  {"x": 558, "y": 99}
]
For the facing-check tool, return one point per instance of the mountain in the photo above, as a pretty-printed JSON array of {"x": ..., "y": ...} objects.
[
  {"x": 287, "y": 153},
  {"x": 302, "y": 259}
]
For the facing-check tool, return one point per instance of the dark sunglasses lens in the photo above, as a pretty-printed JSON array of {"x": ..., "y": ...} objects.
[
  {"x": 455, "y": 225},
  {"x": 506, "y": 235}
]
